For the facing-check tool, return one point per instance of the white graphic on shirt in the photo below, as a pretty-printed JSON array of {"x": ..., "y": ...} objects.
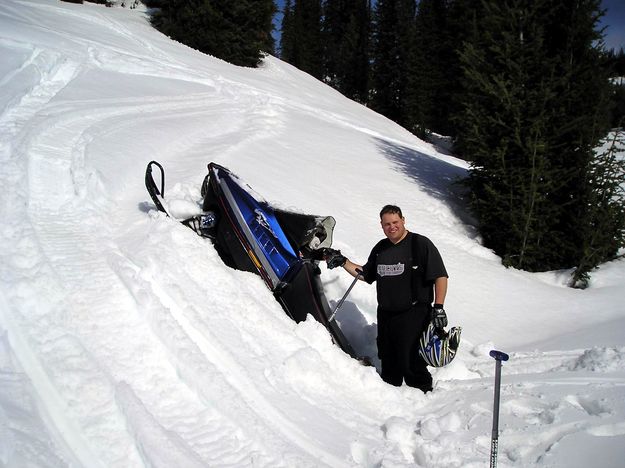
[{"x": 391, "y": 270}]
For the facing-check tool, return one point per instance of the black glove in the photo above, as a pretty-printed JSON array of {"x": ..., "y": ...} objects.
[
  {"x": 334, "y": 258},
  {"x": 439, "y": 317}
]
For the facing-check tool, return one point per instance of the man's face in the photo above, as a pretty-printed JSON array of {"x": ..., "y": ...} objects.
[{"x": 393, "y": 226}]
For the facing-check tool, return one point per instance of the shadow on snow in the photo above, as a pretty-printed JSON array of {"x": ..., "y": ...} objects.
[{"x": 436, "y": 177}]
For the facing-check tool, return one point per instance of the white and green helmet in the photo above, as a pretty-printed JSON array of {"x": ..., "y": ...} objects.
[{"x": 438, "y": 347}]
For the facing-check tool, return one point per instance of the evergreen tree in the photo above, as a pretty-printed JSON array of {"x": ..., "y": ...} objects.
[
  {"x": 392, "y": 55},
  {"x": 303, "y": 46},
  {"x": 238, "y": 32},
  {"x": 582, "y": 121},
  {"x": 429, "y": 91},
  {"x": 618, "y": 103},
  {"x": 615, "y": 62},
  {"x": 432, "y": 65},
  {"x": 260, "y": 15},
  {"x": 288, "y": 38},
  {"x": 503, "y": 131},
  {"x": 534, "y": 111},
  {"x": 604, "y": 233},
  {"x": 619, "y": 63},
  {"x": 346, "y": 46}
]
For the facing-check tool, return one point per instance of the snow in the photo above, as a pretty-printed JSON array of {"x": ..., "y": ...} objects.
[{"x": 126, "y": 342}]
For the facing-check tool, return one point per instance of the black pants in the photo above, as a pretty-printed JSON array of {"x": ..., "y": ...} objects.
[{"x": 398, "y": 347}]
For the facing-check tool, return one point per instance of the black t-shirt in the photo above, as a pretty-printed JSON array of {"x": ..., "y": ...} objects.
[{"x": 404, "y": 272}]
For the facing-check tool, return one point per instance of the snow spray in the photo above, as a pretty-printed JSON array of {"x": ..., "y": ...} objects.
[{"x": 494, "y": 443}]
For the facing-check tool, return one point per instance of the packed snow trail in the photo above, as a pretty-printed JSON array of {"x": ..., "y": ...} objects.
[
  {"x": 73, "y": 221},
  {"x": 125, "y": 341}
]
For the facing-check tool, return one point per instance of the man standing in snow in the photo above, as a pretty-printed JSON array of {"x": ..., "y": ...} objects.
[{"x": 410, "y": 276}]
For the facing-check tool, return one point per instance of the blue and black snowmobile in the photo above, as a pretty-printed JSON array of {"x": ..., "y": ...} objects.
[{"x": 283, "y": 247}]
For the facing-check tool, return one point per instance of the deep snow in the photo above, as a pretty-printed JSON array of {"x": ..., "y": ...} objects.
[{"x": 125, "y": 341}]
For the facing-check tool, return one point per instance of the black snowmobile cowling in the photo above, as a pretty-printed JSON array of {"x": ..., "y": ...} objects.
[{"x": 283, "y": 247}]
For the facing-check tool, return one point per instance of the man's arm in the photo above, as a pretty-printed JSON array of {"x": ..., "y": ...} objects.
[
  {"x": 440, "y": 289},
  {"x": 351, "y": 268},
  {"x": 335, "y": 258},
  {"x": 439, "y": 317}
]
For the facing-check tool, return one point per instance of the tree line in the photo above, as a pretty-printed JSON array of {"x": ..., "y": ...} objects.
[
  {"x": 239, "y": 32},
  {"x": 524, "y": 88}
]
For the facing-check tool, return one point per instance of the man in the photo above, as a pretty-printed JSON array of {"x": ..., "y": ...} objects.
[{"x": 410, "y": 276}]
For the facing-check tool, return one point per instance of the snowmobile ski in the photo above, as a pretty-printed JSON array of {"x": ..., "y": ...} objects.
[{"x": 155, "y": 194}]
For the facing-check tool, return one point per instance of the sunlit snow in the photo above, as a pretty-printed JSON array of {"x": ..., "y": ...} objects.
[{"x": 126, "y": 342}]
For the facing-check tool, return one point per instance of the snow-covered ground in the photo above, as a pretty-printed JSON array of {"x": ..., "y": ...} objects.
[{"x": 125, "y": 341}]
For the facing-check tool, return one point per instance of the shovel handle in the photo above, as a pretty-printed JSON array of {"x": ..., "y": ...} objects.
[{"x": 338, "y": 306}]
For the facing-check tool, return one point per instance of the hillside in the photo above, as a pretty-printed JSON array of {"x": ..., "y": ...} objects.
[{"x": 126, "y": 342}]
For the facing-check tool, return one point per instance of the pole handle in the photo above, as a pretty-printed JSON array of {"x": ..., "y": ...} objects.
[{"x": 498, "y": 355}]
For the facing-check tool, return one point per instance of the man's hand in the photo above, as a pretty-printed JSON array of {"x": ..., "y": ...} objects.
[
  {"x": 439, "y": 317},
  {"x": 334, "y": 258}
]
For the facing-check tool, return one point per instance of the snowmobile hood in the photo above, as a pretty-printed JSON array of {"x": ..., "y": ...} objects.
[{"x": 261, "y": 231}]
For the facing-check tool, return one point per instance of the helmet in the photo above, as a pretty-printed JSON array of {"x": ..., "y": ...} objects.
[{"x": 438, "y": 347}]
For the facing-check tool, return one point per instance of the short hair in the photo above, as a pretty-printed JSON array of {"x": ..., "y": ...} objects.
[{"x": 391, "y": 209}]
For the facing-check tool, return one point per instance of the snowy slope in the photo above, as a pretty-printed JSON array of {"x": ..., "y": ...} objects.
[{"x": 125, "y": 341}]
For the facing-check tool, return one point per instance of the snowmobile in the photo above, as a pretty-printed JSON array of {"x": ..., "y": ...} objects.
[{"x": 282, "y": 247}]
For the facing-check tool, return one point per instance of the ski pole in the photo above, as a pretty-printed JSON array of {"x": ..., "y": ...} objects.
[
  {"x": 494, "y": 443},
  {"x": 338, "y": 306}
]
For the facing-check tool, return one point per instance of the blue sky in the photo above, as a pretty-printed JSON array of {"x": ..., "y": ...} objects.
[{"x": 614, "y": 21}]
